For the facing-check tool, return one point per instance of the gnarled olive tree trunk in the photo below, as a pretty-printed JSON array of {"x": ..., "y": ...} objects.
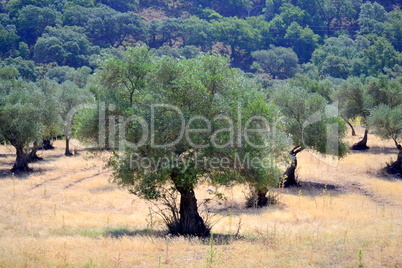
[
  {"x": 21, "y": 162},
  {"x": 351, "y": 126},
  {"x": 262, "y": 199},
  {"x": 396, "y": 167},
  {"x": 67, "y": 151},
  {"x": 190, "y": 221},
  {"x": 258, "y": 198},
  {"x": 47, "y": 145},
  {"x": 33, "y": 156},
  {"x": 361, "y": 145},
  {"x": 289, "y": 177}
]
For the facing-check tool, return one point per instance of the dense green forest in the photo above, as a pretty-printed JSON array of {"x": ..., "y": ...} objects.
[
  {"x": 281, "y": 60},
  {"x": 323, "y": 37}
]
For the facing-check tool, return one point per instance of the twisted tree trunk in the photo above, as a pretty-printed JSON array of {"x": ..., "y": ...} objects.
[
  {"x": 21, "y": 162},
  {"x": 361, "y": 145},
  {"x": 191, "y": 222},
  {"x": 47, "y": 145},
  {"x": 262, "y": 199},
  {"x": 351, "y": 126},
  {"x": 32, "y": 156},
  {"x": 67, "y": 151},
  {"x": 289, "y": 177},
  {"x": 396, "y": 167}
]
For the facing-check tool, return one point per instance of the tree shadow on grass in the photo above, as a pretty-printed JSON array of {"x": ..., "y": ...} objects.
[
  {"x": 122, "y": 232},
  {"x": 6, "y": 174},
  {"x": 218, "y": 239},
  {"x": 315, "y": 189},
  {"x": 11, "y": 155},
  {"x": 242, "y": 209},
  {"x": 383, "y": 174},
  {"x": 375, "y": 150},
  {"x": 221, "y": 239},
  {"x": 306, "y": 188}
]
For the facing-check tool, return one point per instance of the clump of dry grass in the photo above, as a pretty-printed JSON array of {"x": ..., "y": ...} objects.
[{"x": 67, "y": 213}]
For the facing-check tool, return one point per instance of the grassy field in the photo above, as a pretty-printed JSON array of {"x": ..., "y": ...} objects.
[{"x": 67, "y": 214}]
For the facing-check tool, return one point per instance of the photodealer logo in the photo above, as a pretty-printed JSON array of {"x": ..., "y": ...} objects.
[
  {"x": 153, "y": 164},
  {"x": 166, "y": 126},
  {"x": 237, "y": 131}
]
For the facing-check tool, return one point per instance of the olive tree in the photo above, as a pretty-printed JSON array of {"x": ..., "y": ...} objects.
[
  {"x": 192, "y": 121},
  {"x": 70, "y": 97},
  {"x": 24, "y": 116},
  {"x": 279, "y": 62},
  {"x": 124, "y": 76},
  {"x": 311, "y": 123},
  {"x": 387, "y": 121},
  {"x": 353, "y": 102},
  {"x": 51, "y": 121},
  {"x": 385, "y": 95}
]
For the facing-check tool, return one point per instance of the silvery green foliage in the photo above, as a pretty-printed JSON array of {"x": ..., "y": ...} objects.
[{"x": 387, "y": 122}]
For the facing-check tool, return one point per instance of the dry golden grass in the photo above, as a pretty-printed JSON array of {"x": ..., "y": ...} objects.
[{"x": 67, "y": 214}]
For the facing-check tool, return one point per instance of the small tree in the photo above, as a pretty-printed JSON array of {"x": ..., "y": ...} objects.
[
  {"x": 20, "y": 133},
  {"x": 381, "y": 54},
  {"x": 372, "y": 18},
  {"x": 387, "y": 122},
  {"x": 66, "y": 45},
  {"x": 71, "y": 96},
  {"x": 340, "y": 57},
  {"x": 303, "y": 41},
  {"x": 353, "y": 102},
  {"x": 124, "y": 76},
  {"x": 311, "y": 123},
  {"x": 357, "y": 99},
  {"x": 22, "y": 112},
  {"x": 33, "y": 20},
  {"x": 50, "y": 121},
  {"x": 279, "y": 62},
  {"x": 238, "y": 34}
]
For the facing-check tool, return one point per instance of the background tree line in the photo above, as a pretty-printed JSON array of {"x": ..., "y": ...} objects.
[{"x": 325, "y": 33}]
